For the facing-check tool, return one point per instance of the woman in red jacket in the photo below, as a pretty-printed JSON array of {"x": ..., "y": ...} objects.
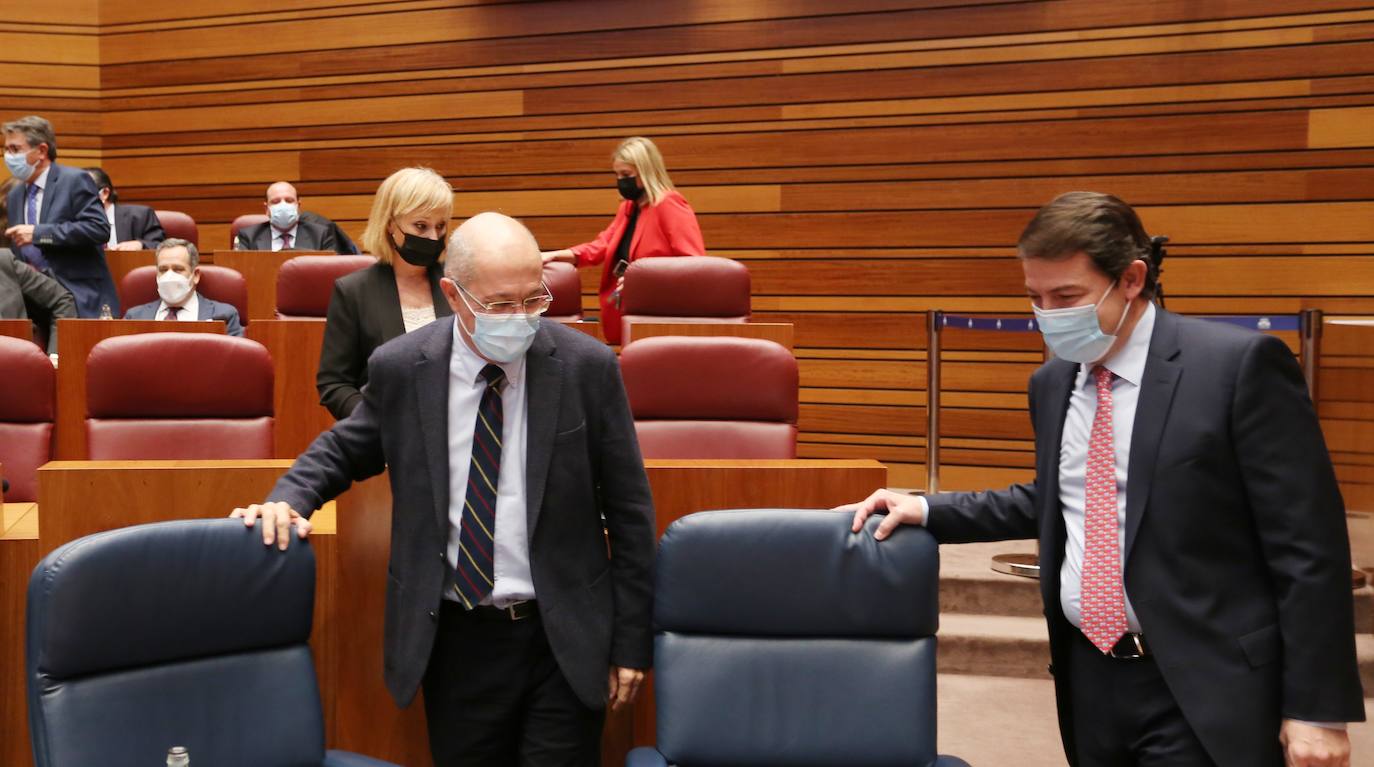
[{"x": 653, "y": 220}]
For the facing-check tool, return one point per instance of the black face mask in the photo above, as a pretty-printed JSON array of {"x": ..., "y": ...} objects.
[
  {"x": 420, "y": 251},
  {"x": 628, "y": 187}
]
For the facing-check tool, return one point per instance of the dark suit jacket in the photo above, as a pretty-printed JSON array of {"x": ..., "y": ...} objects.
[
  {"x": 1237, "y": 558},
  {"x": 72, "y": 235},
  {"x": 364, "y": 313},
  {"x": 206, "y": 309},
  {"x": 582, "y": 462},
  {"x": 310, "y": 235},
  {"x": 343, "y": 244},
  {"x": 138, "y": 222},
  {"x": 26, "y": 293}
]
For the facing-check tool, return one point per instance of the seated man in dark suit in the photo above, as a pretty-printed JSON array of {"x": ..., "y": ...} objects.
[
  {"x": 286, "y": 228},
  {"x": 57, "y": 225},
  {"x": 132, "y": 227},
  {"x": 178, "y": 274},
  {"x": 25, "y": 292}
]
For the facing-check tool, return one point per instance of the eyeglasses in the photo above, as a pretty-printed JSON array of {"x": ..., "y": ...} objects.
[{"x": 532, "y": 305}]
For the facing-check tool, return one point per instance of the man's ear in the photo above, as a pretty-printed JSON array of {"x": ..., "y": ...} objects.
[{"x": 1133, "y": 279}]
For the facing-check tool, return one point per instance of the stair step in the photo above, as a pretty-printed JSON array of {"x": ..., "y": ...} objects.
[{"x": 1013, "y": 646}]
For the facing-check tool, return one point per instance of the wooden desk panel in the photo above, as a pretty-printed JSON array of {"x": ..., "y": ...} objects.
[
  {"x": 295, "y": 349},
  {"x": 17, "y": 329},
  {"x": 121, "y": 262},
  {"x": 259, "y": 269},
  {"x": 780, "y": 332},
  {"x": 75, "y": 340},
  {"x": 18, "y": 555},
  {"x": 367, "y": 723}
]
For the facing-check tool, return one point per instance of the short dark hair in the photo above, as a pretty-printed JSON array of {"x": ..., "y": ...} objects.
[
  {"x": 102, "y": 181},
  {"x": 1101, "y": 225},
  {"x": 173, "y": 242},
  {"x": 35, "y": 130}
]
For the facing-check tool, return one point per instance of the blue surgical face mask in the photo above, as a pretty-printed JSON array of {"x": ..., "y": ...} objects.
[
  {"x": 500, "y": 337},
  {"x": 284, "y": 215},
  {"x": 1075, "y": 334},
  {"x": 19, "y": 165}
]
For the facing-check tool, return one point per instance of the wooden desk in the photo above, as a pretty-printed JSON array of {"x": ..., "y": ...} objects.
[
  {"x": 368, "y": 723},
  {"x": 84, "y": 497},
  {"x": 22, "y": 329},
  {"x": 75, "y": 340},
  {"x": 295, "y": 349},
  {"x": 780, "y": 332},
  {"x": 259, "y": 268}
]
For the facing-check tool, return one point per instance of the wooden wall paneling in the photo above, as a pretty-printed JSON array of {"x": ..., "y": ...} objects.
[{"x": 75, "y": 339}]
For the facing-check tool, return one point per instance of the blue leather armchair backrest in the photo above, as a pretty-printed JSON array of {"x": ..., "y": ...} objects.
[
  {"x": 781, "y": 638},
  {"x": 180, "y": 633}
]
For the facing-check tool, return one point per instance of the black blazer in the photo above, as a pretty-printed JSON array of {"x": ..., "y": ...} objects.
[
  {"x": 72, "y": 234},
  {"x": 364, "y": 313},
  {"x": 1237, "y": 557},
  {"x": 138, "y": 222},
  {"x": 25, "y": 293},
  {"x": 582, "y": 462},
  {"x": 310, "y": 235}
]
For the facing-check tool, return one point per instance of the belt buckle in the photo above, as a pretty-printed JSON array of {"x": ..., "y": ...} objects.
[
  {"x": 1136, "y": 654},
  {"x": 515, "y": 611}
]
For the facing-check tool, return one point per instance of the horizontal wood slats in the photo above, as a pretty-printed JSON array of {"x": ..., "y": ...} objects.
[{"x": 869, "y": 161}]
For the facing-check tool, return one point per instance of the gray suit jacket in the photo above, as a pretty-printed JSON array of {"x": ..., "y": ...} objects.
[
  {"x": 1237, "y": 557},
  {"x": 582, "y": 462},
  {"x": 25, "y": 292},
  {"x": 207, "y": 309}
]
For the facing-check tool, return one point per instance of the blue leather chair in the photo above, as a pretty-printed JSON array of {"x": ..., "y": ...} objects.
[
  {"x": 175, "y": 634},
  {"x": 783, "y": 639}
]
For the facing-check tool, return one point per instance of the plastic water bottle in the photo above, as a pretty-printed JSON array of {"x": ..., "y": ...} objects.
[
  {"x": 177, "y": 757},
  {"x": 105, "y": 313}
]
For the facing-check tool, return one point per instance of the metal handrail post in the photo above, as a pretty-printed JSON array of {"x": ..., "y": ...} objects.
[
  {"x": 934, "y": 321},
  {"x": 1311, "y": 327}
]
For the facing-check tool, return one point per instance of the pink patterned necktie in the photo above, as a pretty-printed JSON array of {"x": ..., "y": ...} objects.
[
  {"x": 172, "y": 312},
  {"x": 285, "y": 241},
  {"x": 1103, "y": 598}
]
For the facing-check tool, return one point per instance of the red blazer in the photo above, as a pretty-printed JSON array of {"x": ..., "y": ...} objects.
[{"x": 666, "y": 229}]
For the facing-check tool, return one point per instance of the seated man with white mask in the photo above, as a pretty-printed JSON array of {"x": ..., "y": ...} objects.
[
  {"x": 178, "y": 274},
  {"x": 286, "y": 228}
]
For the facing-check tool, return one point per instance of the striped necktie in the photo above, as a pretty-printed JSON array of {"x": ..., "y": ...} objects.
[{"x": 475, "y": 577}]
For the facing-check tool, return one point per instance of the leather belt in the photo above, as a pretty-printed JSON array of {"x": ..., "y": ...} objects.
[
  {"x": 515, "y": 612},
  {"x": 1131, "y": 647}
]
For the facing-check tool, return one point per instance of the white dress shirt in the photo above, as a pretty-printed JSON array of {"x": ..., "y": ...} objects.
[
  {"x": 42, "y": 183},
  {"x": 277, "y": 233},
  {"x": 1128, "y": 368},
  {"x": 186, "y": 312},
  {"x": 109, "y": 216},
  {"x": 513, "y": 582}
]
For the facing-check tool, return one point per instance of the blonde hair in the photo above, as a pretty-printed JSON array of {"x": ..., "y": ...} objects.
[
  {"x": 405, "y": 192},
  {"x": 648, "y": 163}
]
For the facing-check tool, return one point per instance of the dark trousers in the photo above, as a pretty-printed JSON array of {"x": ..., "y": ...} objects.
[
  {"x": 494, "y": 696},
  {"x": 1125, "y": 716}
]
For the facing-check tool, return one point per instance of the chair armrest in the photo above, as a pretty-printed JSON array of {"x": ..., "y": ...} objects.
[
  {"x": 645, "y": 757},
  {"x": 950, "y": 761}
]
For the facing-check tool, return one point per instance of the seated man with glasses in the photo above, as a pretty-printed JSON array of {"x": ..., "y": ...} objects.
[{"x": 512, "y": 455}]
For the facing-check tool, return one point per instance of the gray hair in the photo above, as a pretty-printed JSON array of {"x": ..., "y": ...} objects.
[
  {"x": 35, "y": 130},
  {"x": 177, "y": 242}
]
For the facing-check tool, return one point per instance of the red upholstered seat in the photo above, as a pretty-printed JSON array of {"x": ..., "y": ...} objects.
[
  {"x": 219, "y": 283},
  {"x": 712, "y": 397},
  {"x": 243, "y": 222},
  {"x": 178, "y": 395},
  {"x": 686, "y": 288},
  {"x": 305, "y": 283},
  {"x": 27, "y": 409},
  {"x": 566, "y": 287},
  {"x": 179, "y": 225}
]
